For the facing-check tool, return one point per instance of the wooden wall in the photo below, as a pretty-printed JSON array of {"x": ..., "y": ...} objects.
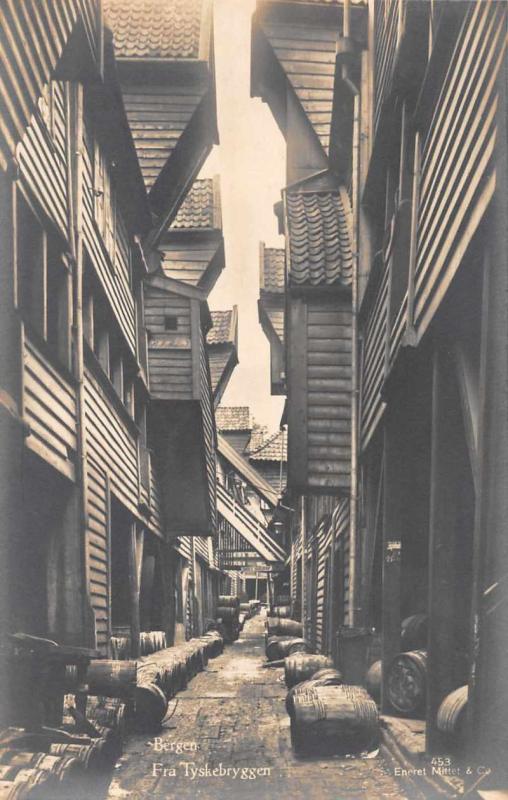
[
  {"x": 209, "y": 434},
  {"x": 458, "y": 175},
  {"x": 33, "y": 36},
  {"x": 319, "y": 391},
  {"x": 169, "y": 352},
  {"x": 49, "y": 407},
  {"x": 374, "y": 362}
]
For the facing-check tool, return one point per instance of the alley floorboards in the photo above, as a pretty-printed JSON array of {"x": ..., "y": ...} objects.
[{"x": 233, "y": 714}]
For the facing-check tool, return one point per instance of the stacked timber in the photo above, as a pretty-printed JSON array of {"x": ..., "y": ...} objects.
[
  {"x": 302, "y": 666},
  {"x": 406, "y": 682},
  {"x": 324, "y": 677},
  {"x": 334, "y": 719},
  {"x": 451, "y": 718},
  {"x": 373, "y": 680},
  {"x": 278, "y": 647},
  {"x": 278, "y": 626}
]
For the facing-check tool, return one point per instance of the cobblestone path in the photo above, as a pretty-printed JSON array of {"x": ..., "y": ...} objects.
[{"x": 233, "y": 715}]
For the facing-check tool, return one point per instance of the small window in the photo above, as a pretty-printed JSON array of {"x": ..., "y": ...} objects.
[{"x": 171, "y": 323}]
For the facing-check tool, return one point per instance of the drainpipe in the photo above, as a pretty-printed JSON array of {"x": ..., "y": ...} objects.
[
  {"x": 353, "y": 543},
  {"x": 74, "y": 165}
]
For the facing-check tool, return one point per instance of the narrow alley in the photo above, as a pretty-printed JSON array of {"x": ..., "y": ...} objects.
[{"x": 232, "y": 715}]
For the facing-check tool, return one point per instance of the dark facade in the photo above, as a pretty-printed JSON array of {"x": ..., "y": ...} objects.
[{"x": 397, "y": 112}]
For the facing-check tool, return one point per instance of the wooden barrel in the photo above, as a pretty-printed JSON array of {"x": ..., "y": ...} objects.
[
  {"x": 227, "y": 613},
  {"x": 228, "y": 600},
  {"x": 282, "y": 612},
  {"x": 108, "y": 712},
  {"x": 150, "y": 706},
  {"x": 283, "y": 627},
  {"x": 302, "y": 666},
  {"x": 373, "y": 679},
  {"x": 120, "y": 647},
  {"x": 60, "y": 767},
  {"x": 324, "y": 677},
  {"x": 93, "y": 756},
  {"x": 413, "y": 634},
  {"x": 281, "y": 646},
  {"x": 334, "y": 719},
  {"x": 32, "y": 783},
  {"x": 113, "y": 678},
  {"x": 451, "y": 716},
  {"x": 245, "y": 607},
  {"x": 406, "y": 682}
]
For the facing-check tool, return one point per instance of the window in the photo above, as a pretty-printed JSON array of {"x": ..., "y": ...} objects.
[
  {"x": 44, "y": 281},
  {"x": 171, "y": 323}
]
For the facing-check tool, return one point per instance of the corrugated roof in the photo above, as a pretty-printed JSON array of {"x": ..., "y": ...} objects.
[
  {"x": 247, "y": 471},
  {"x": 270, "y": 449},
  {"x": 159, "y": 29},
  {"x": 233, "y": 418},
  {"x": 274, "y": 260},
  {"x": 221, "y": 331},
  {"x": 319, "y": 243},
  {"x": 198, "y": 210}
]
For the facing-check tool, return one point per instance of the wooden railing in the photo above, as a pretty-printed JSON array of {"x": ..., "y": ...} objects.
[{"x": 248, "y": 526}]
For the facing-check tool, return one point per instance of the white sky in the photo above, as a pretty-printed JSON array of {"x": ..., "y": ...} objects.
[{"x": 251, "y": 163}]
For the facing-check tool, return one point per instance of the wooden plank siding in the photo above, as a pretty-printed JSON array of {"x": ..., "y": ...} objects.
[
  {"x": 374, "y": 363},
  {"x": 97, "y": 541},
  {"x": 328, "y": 392},
  {"x": 49, "y": 401},
  {"x": 171, "y": 376},
  {"x": 187, "y": 260},
  {"x": 33, "y": 35},
  {"x": 307, "y": 56},
  {"x": 113, "y": 271},
  {"x": 41, "y": 159},
  {"x": 388, "y": 21},
  {"x": 158, "y": 115},
  {"x": 208, "y": 422},
  {"x": 458, "y": 175}
]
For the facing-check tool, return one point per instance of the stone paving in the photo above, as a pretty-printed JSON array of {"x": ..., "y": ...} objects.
[{"x": 232, "y": 720}]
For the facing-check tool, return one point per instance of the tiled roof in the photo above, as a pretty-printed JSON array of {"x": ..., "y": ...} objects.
[
  {"x": 271, "y": 448},
  {"x": 319, "y": 244},
  {"x": 233, "y": 418},
  {"x": 221, "y": 331},
  {"x": 197, "y": 210},
  {"x": 257, "y": 437},
  {"x": 273, "y": 269},
  {"x": 160, "y": 29}
]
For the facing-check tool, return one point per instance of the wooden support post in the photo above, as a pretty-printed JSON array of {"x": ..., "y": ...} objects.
[
  {"x": 442, "y": 553},
  {"x": 134, "y": 589},
  {"x": 393, "y": 465},
  {"x": 488, "y": 683}
]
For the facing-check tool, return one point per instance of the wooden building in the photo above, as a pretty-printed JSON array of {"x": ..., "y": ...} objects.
[
  {"x": 222, "y": 346},
  {"x": 305, "y": 304},
  {"x": 405, "y": 104},
  {"x": 235, "y": 425},
  {"x": 89, "y": 508}
]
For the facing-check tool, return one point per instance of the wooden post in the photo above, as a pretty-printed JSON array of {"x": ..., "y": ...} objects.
[
  {"x": 303, "y": 523},
  {"x": 393, "y": 465},
  {"x": 134, "y": 590},
  {"x": 488, "y": 683},
  {"x": 442, "y": 554}
]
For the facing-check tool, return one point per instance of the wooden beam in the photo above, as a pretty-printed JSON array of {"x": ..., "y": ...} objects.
[
  {"x": 392, "y": 545},
  {"x": 297, "y": 393}
]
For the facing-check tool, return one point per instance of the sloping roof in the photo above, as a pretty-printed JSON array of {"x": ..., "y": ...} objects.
[
  {"x": 247, "y": 471},
  {"x": 201, "y": 208},
  {"x": 222, "y": 330},
  {"x": 156, "y": 29},
  {"x": 319, "y": 243},
  {"x": 272, "y": 269},
  {"x": 271, "y": 448},
  {"x": 233, "y": 418}
]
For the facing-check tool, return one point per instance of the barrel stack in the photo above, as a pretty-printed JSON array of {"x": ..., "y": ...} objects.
[{"x": 228, "y": 614}]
